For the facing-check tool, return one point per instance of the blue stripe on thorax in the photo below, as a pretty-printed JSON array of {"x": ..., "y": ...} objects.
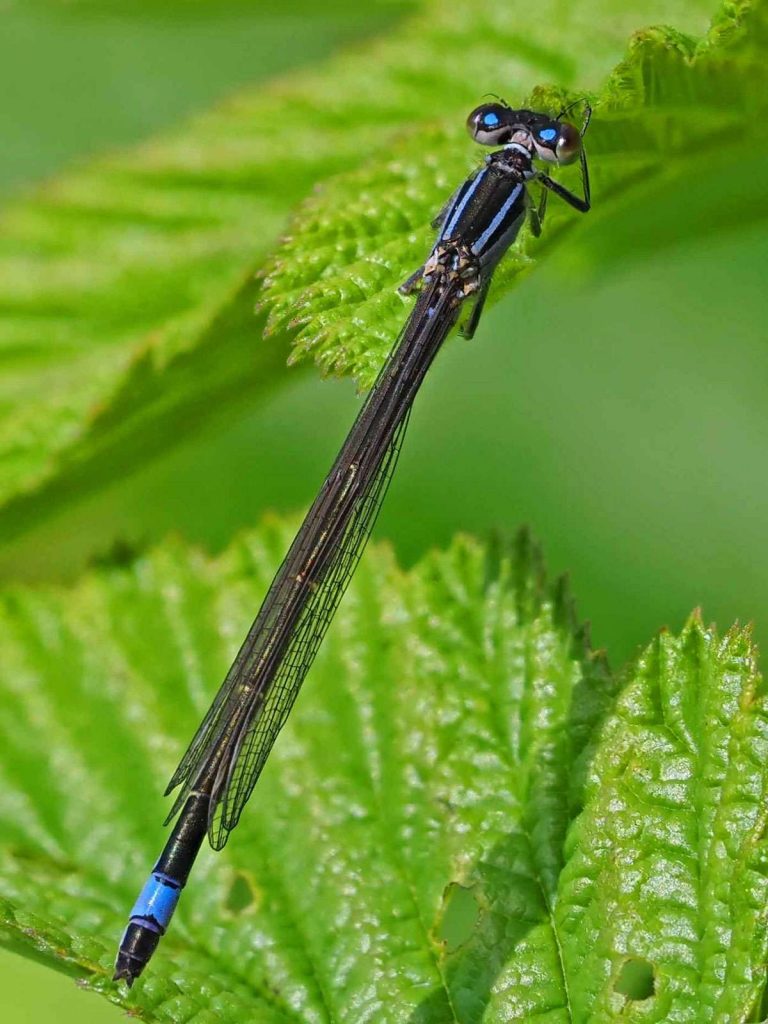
[
  {"x": 459, "y": 208},
  {"x": 480, "y": 244}
]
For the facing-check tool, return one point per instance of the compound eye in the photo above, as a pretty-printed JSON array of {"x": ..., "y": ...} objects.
[
  {"x": 568, "y": 144},
  {"x": 489, "y": 124}
]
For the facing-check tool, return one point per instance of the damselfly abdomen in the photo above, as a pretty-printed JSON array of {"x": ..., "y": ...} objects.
[{"x": 219, "y": 770}]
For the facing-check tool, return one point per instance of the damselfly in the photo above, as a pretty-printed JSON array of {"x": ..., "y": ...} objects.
[{"x": 219, "y": 770}]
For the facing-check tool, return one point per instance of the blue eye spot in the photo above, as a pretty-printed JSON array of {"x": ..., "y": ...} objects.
[
  {"x": 547, "y": 134},
  {"x": 490, "y": 120}
]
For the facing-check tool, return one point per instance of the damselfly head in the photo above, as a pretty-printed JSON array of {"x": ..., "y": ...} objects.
[{"x": 549, "y": 138}]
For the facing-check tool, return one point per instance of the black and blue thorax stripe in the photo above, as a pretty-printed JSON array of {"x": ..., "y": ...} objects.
[{"x": 490, "y": 205}]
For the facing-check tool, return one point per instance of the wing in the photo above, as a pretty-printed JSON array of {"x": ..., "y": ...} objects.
[
  {"x": 231, "y": 746},
  {"x": 258, "y": 730}
]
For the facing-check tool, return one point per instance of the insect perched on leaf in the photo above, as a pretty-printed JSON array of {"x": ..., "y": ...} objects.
[{"x": 219, "y": 770}]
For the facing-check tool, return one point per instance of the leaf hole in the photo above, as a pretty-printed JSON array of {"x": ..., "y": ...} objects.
[
  {"x": 636, "y": 980},
  {"x": 458, "y": 918},
  {"x": 241, "y": 895}
]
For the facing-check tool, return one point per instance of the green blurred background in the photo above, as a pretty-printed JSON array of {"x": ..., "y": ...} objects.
[{"x": 616, "y": 403}]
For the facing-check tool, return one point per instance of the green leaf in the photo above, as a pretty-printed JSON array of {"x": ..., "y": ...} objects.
[
  {"x": 441, "y": 712},
  {"x": 127, "y": 285},
  {"x": 460, "y": 821},
  {"x": 659, "y": 912},
  {"x": 666, "y": 107},
  {"x": 668, "y": 864}
]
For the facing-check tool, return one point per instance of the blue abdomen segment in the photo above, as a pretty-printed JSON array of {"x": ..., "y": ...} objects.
[
  {"x": 156, "y": 903},
  {"x": 153, "y": 910}
]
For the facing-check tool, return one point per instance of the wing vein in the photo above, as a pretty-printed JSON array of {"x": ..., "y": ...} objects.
[{"x": 232, "y": 744}]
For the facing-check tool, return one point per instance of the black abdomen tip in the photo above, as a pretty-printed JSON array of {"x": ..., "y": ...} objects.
[
  {"x": 138, "y": 945},
  {"x": 126, "y": 969}
]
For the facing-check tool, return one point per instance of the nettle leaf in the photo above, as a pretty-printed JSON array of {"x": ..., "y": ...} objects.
[
  {"x": 662, "y": 110},
  {"x": 438, "y": 747},
  {"x": 126, "y": 287},
  {"x": 460, "y": 822},
  {"x": 661, "y": 908}
]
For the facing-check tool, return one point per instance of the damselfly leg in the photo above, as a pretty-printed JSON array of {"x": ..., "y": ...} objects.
[
  {"x": 468, "y": 328},
  {"x": 582, "y": 205}
]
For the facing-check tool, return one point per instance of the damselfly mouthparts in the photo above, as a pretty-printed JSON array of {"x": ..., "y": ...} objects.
[{"x": 219, "y": 770}]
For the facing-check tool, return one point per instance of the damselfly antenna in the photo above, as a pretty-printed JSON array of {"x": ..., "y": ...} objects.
[
  {"x": 587, "y": 113},
  {"x": 495, "y": 96}
]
